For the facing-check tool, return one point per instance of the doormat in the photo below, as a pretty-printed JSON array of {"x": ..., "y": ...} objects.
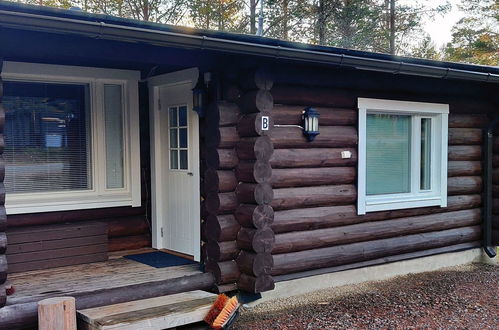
[{"x": 159, "y": 259}]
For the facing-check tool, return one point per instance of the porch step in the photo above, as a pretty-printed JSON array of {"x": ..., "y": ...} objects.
[{"x": 154, "y": 313}]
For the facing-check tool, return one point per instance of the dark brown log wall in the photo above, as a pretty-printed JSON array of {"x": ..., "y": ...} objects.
[
  {"x": 219, "y": 184},
  {"x": 316, "y": 223},
  {"x": 495, "y": 191},
  {"x": 3, "y": 217}
]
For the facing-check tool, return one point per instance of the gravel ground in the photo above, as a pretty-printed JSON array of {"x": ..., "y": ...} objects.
[{"x": 464, "y": 297}]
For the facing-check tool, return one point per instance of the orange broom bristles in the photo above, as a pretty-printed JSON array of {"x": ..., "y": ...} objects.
[
  {"x": 227, "y": 311},
  {"x": 216, "y": 308}
]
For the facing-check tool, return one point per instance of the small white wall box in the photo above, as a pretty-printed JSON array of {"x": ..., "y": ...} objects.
[{"x": 345, "y": 154}]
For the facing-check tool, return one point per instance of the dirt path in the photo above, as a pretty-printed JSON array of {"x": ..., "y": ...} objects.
[{"x": 465, "y": 297}]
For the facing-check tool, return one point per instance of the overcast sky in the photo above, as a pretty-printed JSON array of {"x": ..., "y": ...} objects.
[{"x": 440, "y": 28}]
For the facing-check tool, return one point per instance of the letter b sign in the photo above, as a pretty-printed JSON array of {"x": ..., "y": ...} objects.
[{"x": 265, "y": 123}]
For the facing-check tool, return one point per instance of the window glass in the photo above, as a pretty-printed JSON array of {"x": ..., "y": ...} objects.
[
  {"x": 114, "y": 136},
  {"x": 425, "y": 181},
  {"x": 388, "y": 154},
  {"x": 178, "y": 138},
  {"x": 46, "y": 137}
]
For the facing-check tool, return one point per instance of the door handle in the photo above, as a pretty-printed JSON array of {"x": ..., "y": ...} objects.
[{"x": 190, "y": 173}]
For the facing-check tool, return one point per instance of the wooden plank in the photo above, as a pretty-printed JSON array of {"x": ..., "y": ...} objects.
[
  {"x": 154, "y": 313},
  {"x": 55, "y": 244},
  {"x": 59, "y": 262},
  {"x": 57, "y": 314},
  {"x": 57, "y": 253},
  {"x": 36, "y": 233}
]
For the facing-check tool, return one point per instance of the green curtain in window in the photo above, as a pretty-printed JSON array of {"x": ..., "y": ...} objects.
[{"x": 388, "y": 154}]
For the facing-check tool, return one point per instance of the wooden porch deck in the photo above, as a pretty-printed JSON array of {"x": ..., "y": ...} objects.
[{"x": 76, "y": 280}]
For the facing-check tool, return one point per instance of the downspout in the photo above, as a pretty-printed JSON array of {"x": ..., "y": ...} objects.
[{"x": 487, "y": 221}]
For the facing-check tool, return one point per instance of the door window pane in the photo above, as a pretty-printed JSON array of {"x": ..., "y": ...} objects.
[
  {"x": 425, "y": 183},
  {"x": 182, "y": 116},
  {"x": 114, "y": 136},
  {"x": 183, "y": 137},
  {"x": 388, "y": 154},
  {"x": 178, "y": 137},
  {"x": 183, "y": 159},
  {"x": 47, "y": 137}
]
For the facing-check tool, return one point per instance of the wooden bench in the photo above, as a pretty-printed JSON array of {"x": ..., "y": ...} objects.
[
  {"x": 56, "y": 245},
  {"x": 149, "y": 314}
]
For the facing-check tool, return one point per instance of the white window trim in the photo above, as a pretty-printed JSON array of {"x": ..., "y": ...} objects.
[
  {"x": 99, "y": 196},
  {"x": 438, "y": 195}
]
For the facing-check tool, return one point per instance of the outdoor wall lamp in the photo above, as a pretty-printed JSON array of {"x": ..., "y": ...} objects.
[
  {"x": 199, "y": 98},
  {"x": 310, "y": 120}
]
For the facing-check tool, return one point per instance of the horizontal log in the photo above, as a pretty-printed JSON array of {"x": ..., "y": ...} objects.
[
  {"x": 251, "y": 193},
  {"x": 291, "y": 198},
  {"x": 3, "y": 296},
  {"x": 257, "y": 240},
  {"x": 127, "y": 226},
  {"x": 292, "y": 115},
  {"x": 312, "y": 157},
  {"x": 253, "y": 284},
  {"x": 254, "y": 216},
  {"x": 32, "y": 219},
  {"x": 369, "y": 231},
  {"x": 223, "y": 271},
  {"x": 223, "y": 114},
  {"x": 223, "y": 288},
  {"x": 3, "y": 242},
  {"x": 129, "y": 243},
  {"x": 380, "y": 261},
  {"x": 495, "y": 237},
  {"x": 221, "y": 137},
  {"x": 223, "y": 159},
  {"x": 221, "y": 228},
  {"x": 3, "y": 268},
  {"x": 329, "y": 137},
  {"x": 465, "y": 153},
  {"x": 464, "y": 168},
  {"x": 495, "y": 160},
  {"x": 219, "y": 181},
  {"x": 260, "y": 78},
  {"x": 380, "y": 85},
  {"x": 251, "y": 124},
  {"x": 3, "y": 218},
  {"x": 495, "y": 176},
  {"x": 218, "y": 203},
  {"x": 258, "y": 100},
  {"x": 495, "y": 222},
  {"x": 344, "y": 254},
  {"x": 259, "y": 148},
  {"x": 299, "y": 177},
  {"x": 458, "y": 120},
  {"x": 465, "y": 136},
  {"x": 463, "y": 185},
  {"x": 306, "y": 96},
  {"x": 221, "y": 251},
  {"x": 255, "y": 264},
  {"x": 231, "y": 92},
  {"x": 342, "y": 215},
  {"x": 254, "y": 171}
]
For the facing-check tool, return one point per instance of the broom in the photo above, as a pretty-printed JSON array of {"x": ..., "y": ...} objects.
[{"x": 223, "y": 312}]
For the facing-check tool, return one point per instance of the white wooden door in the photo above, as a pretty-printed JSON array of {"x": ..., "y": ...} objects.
[{"x": 176, "y": 213}]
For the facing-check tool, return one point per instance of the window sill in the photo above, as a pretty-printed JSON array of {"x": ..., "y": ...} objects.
[
  {"x": 397, "y": 204},
  {"x": 53, "y": 204}
]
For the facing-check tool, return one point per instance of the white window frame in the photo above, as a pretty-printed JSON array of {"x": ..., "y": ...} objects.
[
  {"x": 99, "y": 195},
  {"x": 437, "y": 196}
]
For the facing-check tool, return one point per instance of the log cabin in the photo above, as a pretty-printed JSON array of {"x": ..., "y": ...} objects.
[{"x": 261, "y": 160}]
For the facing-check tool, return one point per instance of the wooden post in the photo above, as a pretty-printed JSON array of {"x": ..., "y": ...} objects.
[{"x": 57, "y": 313}]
